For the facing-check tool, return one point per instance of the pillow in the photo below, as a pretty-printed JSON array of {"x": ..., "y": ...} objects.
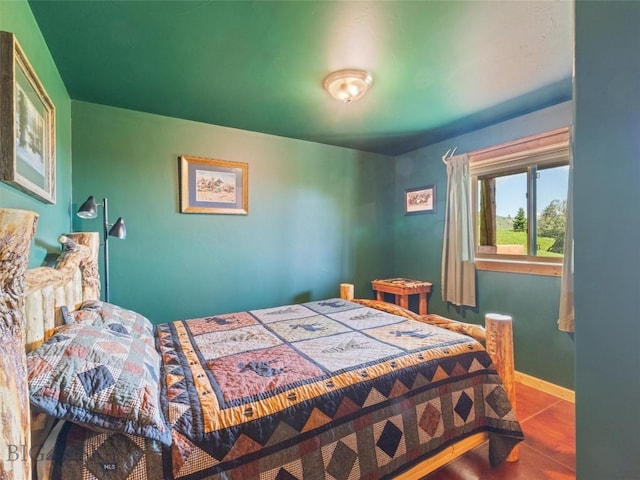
[
  {"x": 96, "y": 312},
  {"x": 387, "y": 307},
  {"x": 101, "y": 377},
  {"x": 80, "y": 316}
]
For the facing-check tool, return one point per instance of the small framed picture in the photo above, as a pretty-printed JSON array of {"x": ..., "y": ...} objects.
[
  {"x": 213, "y": 186},
  {"x": 27, "y": 125},
  {"x": 420, "y": 200}
]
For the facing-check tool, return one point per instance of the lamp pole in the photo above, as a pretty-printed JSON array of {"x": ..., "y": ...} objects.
[{"x": 105, "y": 223}]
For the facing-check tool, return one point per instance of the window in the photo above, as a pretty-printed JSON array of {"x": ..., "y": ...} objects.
[{"x": 519, "y": 201}]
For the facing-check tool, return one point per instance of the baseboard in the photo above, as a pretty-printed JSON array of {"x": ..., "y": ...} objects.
[{"x": 547, "y": 387}]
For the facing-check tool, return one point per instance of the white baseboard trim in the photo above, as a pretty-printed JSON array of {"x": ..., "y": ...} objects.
[{"x": 547, "y": 387}]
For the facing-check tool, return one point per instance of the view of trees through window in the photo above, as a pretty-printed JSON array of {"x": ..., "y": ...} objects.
[{"x": 504, "y": 201}]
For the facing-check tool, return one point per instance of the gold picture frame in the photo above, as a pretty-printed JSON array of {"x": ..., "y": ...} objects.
[
  {"x": 27, "y": 125},
  {"x": 213, "y": 186}
]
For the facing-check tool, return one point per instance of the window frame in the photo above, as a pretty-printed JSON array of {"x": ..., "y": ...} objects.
[{"x": 528, "y": 154}]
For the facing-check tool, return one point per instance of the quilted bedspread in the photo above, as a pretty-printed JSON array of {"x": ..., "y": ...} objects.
[{"x": 326, "y": 389}]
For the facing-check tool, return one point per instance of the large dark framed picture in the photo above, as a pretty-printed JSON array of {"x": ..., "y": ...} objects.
[
  {"x": 420, "y": 200},
  {"x": 27, "y": 125},
  {"x": 213, "y": 186}
]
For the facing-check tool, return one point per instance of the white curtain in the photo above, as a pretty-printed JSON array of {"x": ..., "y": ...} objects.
[
  {"x": 566, "y": 315},
  {"x": 458, "y": 269}
]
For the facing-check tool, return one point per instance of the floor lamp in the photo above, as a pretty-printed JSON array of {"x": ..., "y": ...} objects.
[{"x": 89, "y": 209}]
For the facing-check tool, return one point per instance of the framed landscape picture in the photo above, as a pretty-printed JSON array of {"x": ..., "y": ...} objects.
[
  {"x": 27, "y": 125},
  {"x": 420, "y": 200},
  {"x": 213, "y": 186}
]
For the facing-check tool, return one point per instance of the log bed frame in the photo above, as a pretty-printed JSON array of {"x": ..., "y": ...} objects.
[{"x": 30, "y": 309}]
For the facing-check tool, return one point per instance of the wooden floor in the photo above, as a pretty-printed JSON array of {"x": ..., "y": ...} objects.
[{"x": 548, "y": 452}]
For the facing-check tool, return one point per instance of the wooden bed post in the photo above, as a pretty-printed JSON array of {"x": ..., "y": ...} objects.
[
  {"x": 17, "y": 228},
  {"x": 346, "y": 291},
  {"x": 89, "y": 266},
  {"x": 500, "y": 347}
]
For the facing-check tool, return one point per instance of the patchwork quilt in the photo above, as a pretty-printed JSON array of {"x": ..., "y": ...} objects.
[{"x": 321, "y": 390}]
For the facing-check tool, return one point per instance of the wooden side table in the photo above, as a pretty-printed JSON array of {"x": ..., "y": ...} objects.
[{"x": 402, "y": 288}]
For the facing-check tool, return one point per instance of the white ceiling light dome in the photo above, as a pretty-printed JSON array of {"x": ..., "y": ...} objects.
[{"x": 347, "y": 85}]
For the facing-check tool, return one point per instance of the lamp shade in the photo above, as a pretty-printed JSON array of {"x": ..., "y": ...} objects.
[
  {"x": 89, "y": 209},
  {"x": 119, "y": 229}
]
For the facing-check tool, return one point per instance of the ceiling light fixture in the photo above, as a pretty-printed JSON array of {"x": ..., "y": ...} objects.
[{"x": 347, "y": 85}]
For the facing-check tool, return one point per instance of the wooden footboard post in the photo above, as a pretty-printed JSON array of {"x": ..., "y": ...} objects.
[
  {"x": 346, "y": 291},
  {"x": 16, "y": 232},
  {"x": 500, "y": 347}
]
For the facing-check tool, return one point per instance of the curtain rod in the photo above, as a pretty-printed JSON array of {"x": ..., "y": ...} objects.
[{"x": 559, "y": 135}]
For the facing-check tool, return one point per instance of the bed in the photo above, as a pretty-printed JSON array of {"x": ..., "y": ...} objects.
[{"x": 334, "y": 388}]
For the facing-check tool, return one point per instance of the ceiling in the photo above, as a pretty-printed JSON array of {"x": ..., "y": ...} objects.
[{"x": 440, "y": 68}]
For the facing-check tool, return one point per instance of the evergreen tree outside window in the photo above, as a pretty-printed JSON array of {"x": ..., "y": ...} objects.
[{"x": 520, "y": 221}]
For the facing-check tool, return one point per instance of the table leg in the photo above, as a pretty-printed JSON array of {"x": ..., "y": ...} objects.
[
  {"x": 423, "y": 304},
  {"x": 404, "y": 301},
  {"x": 379, "y": 296}
]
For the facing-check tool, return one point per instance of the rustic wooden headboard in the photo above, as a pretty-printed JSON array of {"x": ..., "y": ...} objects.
[{"x": 30, "y": 303}]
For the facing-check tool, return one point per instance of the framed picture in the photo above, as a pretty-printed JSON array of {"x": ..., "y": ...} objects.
[
  {"x": 420, "y": 200},
  {"x": 27, "y": 125},
  {"x": 213, "y": 186}
]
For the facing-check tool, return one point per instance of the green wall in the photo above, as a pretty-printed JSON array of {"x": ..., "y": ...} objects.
[
  {"x": 607, "y": 239},
  {"x": 318, "y": 215},
  {"x": 532, "y": 300},
  {"x": 16, "y": 17}
]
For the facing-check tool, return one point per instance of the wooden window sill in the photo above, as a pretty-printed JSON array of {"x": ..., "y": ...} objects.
[{"x": 530, "y": 268}]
